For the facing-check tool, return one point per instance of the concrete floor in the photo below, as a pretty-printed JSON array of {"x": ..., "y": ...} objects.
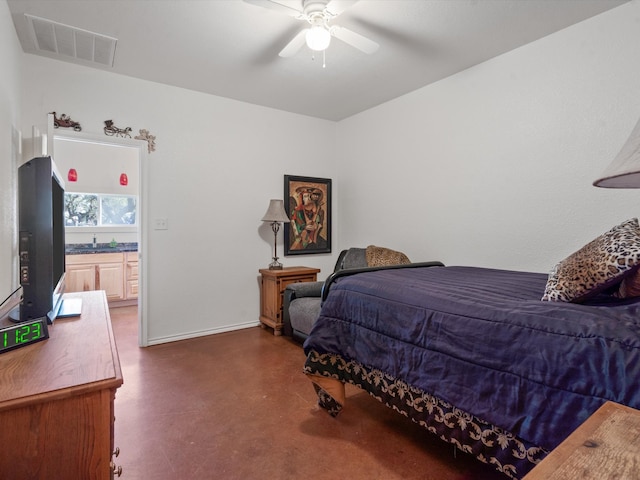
[{"x": 237, "y": 406}]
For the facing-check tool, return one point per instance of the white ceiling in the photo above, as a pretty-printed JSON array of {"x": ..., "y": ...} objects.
[{"x": 230, "y": 48}]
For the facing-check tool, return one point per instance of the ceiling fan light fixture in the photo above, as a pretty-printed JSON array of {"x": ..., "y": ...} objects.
[{"x": 318, "y": 38}]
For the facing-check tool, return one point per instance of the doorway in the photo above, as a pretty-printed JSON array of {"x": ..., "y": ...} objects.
[{"x": 98, "y": 161}]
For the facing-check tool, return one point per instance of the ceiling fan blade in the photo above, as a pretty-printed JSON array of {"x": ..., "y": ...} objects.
[
  {"x": 278, "y": 7},
  {"x": 294, "y": 45},
  {"x": 354, "y": 39},
  {"x": 336, "y": 7}
]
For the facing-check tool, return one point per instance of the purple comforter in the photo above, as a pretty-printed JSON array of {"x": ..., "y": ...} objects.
[{"x": 483, "y": 341}]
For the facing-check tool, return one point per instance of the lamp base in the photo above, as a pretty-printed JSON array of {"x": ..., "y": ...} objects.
[{"x": 275, "y": 265}]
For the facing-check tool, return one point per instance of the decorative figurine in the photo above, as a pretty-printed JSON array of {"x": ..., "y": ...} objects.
[
  {"x": 151, "y": 139},
  {"x": 65, "y": 121},
  {"x": 111, "y": 130}
]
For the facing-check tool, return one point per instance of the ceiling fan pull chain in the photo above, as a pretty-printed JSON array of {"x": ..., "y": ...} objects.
[{"x": 324, "y": 60}]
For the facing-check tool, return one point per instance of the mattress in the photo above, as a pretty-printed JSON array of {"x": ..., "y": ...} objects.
[{"x": 483, "y": 341}]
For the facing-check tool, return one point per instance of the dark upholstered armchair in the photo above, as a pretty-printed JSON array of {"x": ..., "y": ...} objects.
[{"x": 302, "y": 301}]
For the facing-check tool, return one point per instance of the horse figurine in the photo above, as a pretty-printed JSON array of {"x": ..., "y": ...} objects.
[{"x": 111, "y": 130}]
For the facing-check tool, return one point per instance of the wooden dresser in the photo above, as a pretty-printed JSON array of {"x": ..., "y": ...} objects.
[
  {"x": 57, "y": 398},
  {"x": 605, "y": 446}
]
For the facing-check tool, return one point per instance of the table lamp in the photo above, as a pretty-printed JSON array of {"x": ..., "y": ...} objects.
[
  {"x": 275, "y": 215},
  {"x": 624, "y": 170}
]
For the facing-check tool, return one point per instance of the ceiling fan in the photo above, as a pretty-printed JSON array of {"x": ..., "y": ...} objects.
[{"x": 318, "y": 13}]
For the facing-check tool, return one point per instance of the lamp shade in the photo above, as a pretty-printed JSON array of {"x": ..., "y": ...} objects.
[
  {"x": 624, "y": 170},
  {"x": 275, "y": 212}
]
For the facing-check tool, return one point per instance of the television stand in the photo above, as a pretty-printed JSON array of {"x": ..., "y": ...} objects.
[{"x": 57, "y": 400}]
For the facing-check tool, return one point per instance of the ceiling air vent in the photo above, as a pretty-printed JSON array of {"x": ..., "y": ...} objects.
[{"x": 56, "y": 38}]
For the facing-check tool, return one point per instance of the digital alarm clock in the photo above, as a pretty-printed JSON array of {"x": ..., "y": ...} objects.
[{"x": 22, "y": 334}]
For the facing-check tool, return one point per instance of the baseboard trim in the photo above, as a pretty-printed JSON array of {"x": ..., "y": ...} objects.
[
  {"x": 123, "y": 303},
  {"x": 201, "y": 333}
]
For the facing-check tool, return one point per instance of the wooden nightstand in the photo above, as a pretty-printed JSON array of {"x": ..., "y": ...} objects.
[
  {"x": 605, "y": 446},
  {"x": 273, "y": 283}
]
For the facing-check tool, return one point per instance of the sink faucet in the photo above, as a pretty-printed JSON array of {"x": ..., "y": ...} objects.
[{"x": 95, "y": 244}]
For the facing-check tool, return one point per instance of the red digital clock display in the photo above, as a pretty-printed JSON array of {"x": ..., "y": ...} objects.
[{"x": 23, "y": 333}]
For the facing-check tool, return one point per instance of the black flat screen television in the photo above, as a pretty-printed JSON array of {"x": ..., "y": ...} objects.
[{"x": 41, "y": 242}]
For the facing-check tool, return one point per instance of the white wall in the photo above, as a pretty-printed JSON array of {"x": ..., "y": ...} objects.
[
  {"x": 490, "y": 167},
  {"x": 10, "y": 52},
  {"x": 98, "y": 167},
  {"x": 216, "y": 165},
  {"x": 493, "y": 166}
]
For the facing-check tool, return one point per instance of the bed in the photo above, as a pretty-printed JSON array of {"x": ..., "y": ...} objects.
[{"x": 474, "y": 356}]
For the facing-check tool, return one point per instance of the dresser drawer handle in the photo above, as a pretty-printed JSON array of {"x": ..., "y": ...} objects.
[{"x": 117, "y": 469}]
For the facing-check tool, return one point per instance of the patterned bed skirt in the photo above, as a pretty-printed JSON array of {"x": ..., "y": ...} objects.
[{"x": 490, "y": 444}]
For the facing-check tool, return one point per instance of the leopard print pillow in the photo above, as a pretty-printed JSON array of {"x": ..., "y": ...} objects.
[
  {"x": 598, "y": 265},
  {"x": 382, "y": 257}
]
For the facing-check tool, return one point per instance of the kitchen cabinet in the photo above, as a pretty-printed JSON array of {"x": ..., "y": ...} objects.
[
  {"x": 131, "y": 275},
  {"x": 110, "y": 278},
  {"x": 116, "y": 273},
  {"x": 80, "y": 278}
]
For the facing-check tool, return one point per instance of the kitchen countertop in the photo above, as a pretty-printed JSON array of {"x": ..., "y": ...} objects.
[{"x": 88, "y": 248}]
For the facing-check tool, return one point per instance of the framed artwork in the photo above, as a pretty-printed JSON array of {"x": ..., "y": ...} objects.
[{"x": 307, "y": 201}]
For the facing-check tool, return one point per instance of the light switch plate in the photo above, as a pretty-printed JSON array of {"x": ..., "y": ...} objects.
[{"x": 161, "y": 224}]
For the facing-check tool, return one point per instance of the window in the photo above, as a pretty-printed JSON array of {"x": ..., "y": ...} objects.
[
  {"x": 117, "y": 210},
  {"x": 95, "y": 210},
  {"x": 80, "y": 210}
]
